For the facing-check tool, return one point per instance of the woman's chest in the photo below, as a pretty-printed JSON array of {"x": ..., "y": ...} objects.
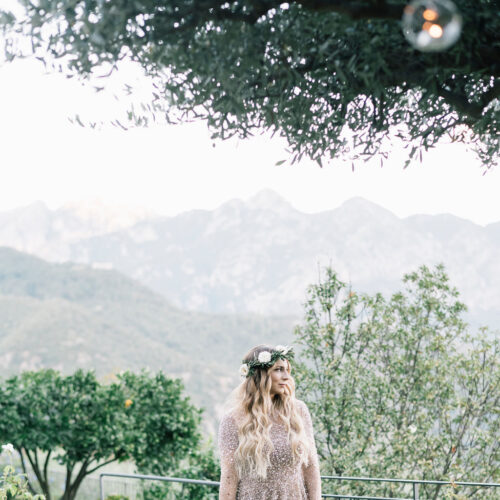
[{"x": 281, "y": 455}]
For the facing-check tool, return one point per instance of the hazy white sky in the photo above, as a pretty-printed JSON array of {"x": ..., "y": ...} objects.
[{"x": 170, "y": 169}]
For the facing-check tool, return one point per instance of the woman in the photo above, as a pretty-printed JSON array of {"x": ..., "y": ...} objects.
[{"x": 266, "y": 440}]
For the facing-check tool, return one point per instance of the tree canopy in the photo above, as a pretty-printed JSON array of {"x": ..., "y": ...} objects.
[
  {"x": 84, "y": 425},
  {"x": 398, "y": 387},
  {"x": 336, "y": 78}
]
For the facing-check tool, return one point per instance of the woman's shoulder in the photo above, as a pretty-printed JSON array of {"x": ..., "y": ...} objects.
[
  {"x": 303, "y": 410},
  {"x": 228, "y": 433},
  {"x": 301, "y": 406},
  {"x": 230, "y": 418}
]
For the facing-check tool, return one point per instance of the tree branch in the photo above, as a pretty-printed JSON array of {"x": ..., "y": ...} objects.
[
  {"x": 45, "y": 466},
  {"x": 102, "y": 465},
  {"x": 460, "y": 103},
  {"x": 34, "y": 465},
  {"x": 67, "y": 484},
  {"x": 355, "y": 10},
  {"x": 23, "y": 465},
  {"x": 259, "y": 9},
  {"x": 73, "y": 488},
  {"x": 493, "y": 93}
]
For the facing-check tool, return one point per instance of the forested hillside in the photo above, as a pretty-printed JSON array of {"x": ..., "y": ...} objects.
[{"x": 69, "y": 316}]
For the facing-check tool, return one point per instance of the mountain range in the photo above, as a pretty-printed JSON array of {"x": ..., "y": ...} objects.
[{"x": 259, "y": 255}]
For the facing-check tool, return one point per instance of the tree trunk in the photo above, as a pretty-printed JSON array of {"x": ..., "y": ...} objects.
[{"x": 44, "y": 485}]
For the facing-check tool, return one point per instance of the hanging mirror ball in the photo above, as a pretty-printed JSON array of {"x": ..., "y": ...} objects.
[{"x": 431, "y": 25}]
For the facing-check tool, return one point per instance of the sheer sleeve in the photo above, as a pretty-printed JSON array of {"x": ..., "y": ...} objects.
[
  {"x": 228, "y": 442},
  {"x": 311, "y": 473}
]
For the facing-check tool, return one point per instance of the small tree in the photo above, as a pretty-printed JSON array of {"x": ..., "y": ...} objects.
[
  {"x": 85, "y": 425},
  {"x": 12, "y": 485},
  {"x": 397, "y": 387}
]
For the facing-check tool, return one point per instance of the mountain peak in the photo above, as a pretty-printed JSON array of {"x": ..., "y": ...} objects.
[
  {"x": 104, "y": 216},
  {"x": 267, "y": 199},
  {"x": 361, "y": 205}
]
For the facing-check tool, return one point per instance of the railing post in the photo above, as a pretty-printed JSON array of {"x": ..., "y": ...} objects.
[
  {"x": 101, "y": 486},
  {"x": 415, "y": 492}
]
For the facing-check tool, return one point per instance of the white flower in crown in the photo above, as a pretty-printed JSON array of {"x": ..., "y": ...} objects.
[
  {"x": 8, "y": 448},
  {"x": 264, "y": 357},
  {"x": 244, "y": 370},
  {"x": 282, "y": 348},
  {"x": 412, "y": 429}
]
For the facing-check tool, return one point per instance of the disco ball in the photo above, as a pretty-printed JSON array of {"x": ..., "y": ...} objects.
[{"x": 431, "y": 25}]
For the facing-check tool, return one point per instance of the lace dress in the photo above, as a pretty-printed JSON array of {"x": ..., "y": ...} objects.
[{"x": 285, "y": 480}]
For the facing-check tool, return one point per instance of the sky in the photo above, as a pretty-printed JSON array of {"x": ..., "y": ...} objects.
[{"x": 169, "y": 169}]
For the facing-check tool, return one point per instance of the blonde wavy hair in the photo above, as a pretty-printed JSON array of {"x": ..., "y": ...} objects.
[{"x": 254, "y": 404}]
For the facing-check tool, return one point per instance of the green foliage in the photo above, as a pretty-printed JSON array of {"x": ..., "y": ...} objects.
[
  {"x": 334, "y": 78},
  {"x": 14, "y": 486},
  {"x": 164, "y": 425},
  {"x": 201, "y": 464},
  {"x": 85, "y": 425},
  {"x": 398, "y": 388}
]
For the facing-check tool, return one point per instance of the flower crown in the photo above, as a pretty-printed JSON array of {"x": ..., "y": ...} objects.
[{"x": 266, "y": 359}]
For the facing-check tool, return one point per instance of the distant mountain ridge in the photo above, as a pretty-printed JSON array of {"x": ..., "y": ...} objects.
[
  {"x": 259, "y": 255},
  {"x": 47, "y": 233}
]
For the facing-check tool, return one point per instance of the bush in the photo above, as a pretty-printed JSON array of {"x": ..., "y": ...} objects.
[{"x": 15, "y": 487}]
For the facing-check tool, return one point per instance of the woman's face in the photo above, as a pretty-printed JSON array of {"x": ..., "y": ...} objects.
[{"x": 279, "y": 377}]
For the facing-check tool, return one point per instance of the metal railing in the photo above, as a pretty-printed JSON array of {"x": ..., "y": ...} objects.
[
  {"x": 415, "y": 482},
  {"x": 152, "y": 478}
]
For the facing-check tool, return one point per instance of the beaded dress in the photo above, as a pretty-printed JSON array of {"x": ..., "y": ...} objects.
[{"x": 285, "y": 480}]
